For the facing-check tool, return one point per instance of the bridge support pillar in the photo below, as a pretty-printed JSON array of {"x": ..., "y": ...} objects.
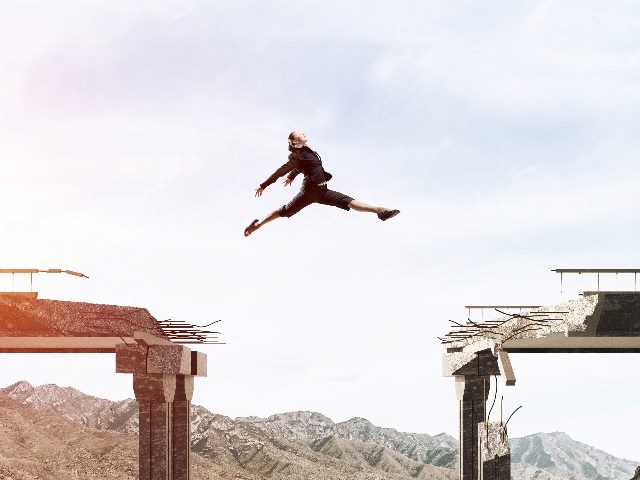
[
  {"x": 472, "y": 393},
  {"x": 472, "y": 371},
  {"x": 163, "y": 384}
]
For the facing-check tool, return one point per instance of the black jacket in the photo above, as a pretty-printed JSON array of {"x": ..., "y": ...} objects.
[{"x": 302, "y": 160}]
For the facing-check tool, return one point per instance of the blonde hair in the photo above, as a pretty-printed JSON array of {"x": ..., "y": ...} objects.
[{"x": 294, "y": 139}]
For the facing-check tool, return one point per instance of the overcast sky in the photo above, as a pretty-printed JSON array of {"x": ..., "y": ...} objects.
[{"x": 132, "y": 137}]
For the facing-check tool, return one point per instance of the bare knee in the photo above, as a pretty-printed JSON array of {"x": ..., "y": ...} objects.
[{"x": 355, "y": 205}]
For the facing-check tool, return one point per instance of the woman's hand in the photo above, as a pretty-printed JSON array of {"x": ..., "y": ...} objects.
[
  {"x": 287, "y": 182},
  {"x": 259, "y": 191}
]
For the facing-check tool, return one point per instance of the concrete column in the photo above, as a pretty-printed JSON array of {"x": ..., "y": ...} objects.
[
  {"x": 163, "y": 383},
  {"x": 472, "y": 392},
  {"x": 497, "y": 468},
  {"x": 155, "y": 394},
  {"x": 182, "y": 427},
  {"x": 495, "y": 453}
]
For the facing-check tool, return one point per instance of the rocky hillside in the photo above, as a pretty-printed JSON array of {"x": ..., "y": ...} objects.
[
  {"x": 78, "y": 407},
  {"x": 558, "y": 456},
  {"x": 320, "y": 431},
  {"x": 41, "y": 444},
  {"x": 225, "y": 448},
  {"x": 45, "y": 430}
]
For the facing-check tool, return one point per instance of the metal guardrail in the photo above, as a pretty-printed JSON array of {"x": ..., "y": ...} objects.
[
  {"x": 493, "y": 307},
  {"x": 598, "y": 271},
  {"x": 533, "y": 320},
  {"x": 31, "y": 271}
]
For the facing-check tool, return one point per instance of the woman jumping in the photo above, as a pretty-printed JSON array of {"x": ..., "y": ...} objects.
[{"x": 314, "y": 186}]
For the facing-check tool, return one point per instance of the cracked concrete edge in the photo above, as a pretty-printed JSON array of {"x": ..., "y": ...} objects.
[
  {"x": 578, "y": 316},
  {"x": 452, "y": 362},
  {"x": 494, "y": 441}
]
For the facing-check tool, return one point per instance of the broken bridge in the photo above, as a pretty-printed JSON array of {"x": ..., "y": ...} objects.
[
  {"x": 597, "y": 322},
  {"x": 163, "y": 370}
]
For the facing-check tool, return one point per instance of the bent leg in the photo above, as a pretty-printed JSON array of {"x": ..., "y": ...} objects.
[
  {"x": 272, "y": 216},
  {"x": 256, "y": 224},
  {"x": 297, "y": 203},
  {"x": 302, "y": 199}
]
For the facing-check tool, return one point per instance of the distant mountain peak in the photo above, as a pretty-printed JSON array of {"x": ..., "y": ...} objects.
[
  {"x": 19, "y": 390},
  {"x": 359, "y": 420},
  {"x": 22, "y": 384},
  {"x": 562, "y": 456},
  {"x": 301, "y": 415}
]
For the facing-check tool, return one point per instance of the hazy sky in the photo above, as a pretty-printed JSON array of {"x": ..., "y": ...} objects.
[{"x": 133, "y": 134}]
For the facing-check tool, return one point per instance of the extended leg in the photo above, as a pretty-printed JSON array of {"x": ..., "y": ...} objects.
[
  {"x": 269, "y": 218},
  {"x": 365, "y": 207},
  {"x": 340, "y": 200},
  {"x": 383, "y": 212}
]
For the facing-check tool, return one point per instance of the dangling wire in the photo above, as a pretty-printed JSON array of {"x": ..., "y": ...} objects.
[
  {"x": 488, "y": 417},
  {"x": 505, "y": 424},
  {"x": 494, "y": 398}
]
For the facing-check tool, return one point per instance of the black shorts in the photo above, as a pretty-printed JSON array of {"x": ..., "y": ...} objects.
[{"x": 309, "y": 195}]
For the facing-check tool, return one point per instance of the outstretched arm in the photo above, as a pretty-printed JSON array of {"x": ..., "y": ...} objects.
[
  {"x": 292, "y": 175},
  {"x": 286, "y": 168}
]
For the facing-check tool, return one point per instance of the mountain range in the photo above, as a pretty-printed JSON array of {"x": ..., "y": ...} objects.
[{"x": 50, "y": 432}]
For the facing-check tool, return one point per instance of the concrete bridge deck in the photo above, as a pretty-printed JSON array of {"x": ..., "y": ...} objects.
[
  {"x": 163, "y": 370},
  {"x": 31, "y": 325},
  {"x": 597, "y": 322}
]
